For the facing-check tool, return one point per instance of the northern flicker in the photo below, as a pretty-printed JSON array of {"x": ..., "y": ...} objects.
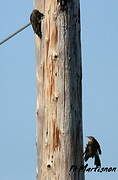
[
  {"x": 35, "y": 19},
  {"x": 92, "y": 150}
]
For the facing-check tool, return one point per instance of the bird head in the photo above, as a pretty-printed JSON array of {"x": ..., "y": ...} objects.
[
  {"x": 38, "y": 13},
  {"x": 91, "y": 138}
]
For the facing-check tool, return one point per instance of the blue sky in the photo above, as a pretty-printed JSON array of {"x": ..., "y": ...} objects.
[
  {"x": 17, "y": 93},
  {"x": 18, "y": 86},
  {"x": 100, "y": 84}
]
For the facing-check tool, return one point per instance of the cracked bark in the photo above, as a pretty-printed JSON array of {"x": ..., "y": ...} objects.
[{"x": 59, "y": 91}]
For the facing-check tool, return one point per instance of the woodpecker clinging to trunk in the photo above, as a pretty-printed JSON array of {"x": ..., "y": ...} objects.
[
  {"x": 35, "y": 19},
  {"x": 92, "y": 151}
]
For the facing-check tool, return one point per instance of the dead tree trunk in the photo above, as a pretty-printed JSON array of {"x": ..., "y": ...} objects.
[{"x": 59, "y": 91}]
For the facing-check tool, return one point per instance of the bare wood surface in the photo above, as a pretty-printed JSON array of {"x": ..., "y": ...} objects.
[{"x": 59, "y": 92}]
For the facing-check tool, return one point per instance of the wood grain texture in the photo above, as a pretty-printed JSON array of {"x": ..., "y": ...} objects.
[{"x": 59, "y": 91}]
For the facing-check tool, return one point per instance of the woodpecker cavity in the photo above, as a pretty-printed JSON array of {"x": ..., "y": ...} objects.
[{"x": 63, "y": 4}]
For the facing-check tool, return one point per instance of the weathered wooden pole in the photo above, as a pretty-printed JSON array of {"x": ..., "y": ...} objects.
[{"x": 59, "y": 91}]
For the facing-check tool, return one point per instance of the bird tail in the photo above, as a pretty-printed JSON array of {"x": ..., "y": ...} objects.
[{"x": 97, "y": 160}]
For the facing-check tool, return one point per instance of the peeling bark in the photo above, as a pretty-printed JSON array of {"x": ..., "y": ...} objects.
[{"x": 59, "y": 91}]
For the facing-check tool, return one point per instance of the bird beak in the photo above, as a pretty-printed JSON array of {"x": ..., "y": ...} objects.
[{"x": 88, "y": 137}]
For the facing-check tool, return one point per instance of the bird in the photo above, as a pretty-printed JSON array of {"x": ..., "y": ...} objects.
[
  {"x": 35, "y": 20},
  {"x": 93, "y": 150}
]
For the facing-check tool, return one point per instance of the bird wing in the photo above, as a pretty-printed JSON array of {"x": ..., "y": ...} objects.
[
  {"x": 98, "y": 146},
  {"x": 99, "y": 149},
  {"x": 97, "y": 160}
]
